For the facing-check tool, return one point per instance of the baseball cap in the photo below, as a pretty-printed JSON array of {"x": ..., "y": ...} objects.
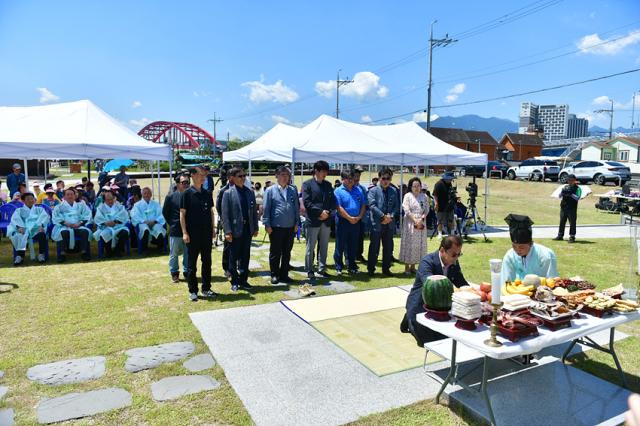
[{"x": 16, "y": 166}]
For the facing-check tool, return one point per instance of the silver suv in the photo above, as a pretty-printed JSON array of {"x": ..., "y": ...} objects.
[
  {"x": 600, "y": 172},
  {"x": 533, "y": 169}
]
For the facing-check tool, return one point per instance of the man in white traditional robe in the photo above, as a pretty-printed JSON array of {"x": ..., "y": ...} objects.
[
  {"x": 146, "y": 214},
  {"x": 28, "y": 225},
  {"x": 71, "y": 220},
  {"x": 111, "y": 218}
]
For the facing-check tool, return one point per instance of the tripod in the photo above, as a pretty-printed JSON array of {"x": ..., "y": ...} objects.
[{"x": 472, "y": 218}]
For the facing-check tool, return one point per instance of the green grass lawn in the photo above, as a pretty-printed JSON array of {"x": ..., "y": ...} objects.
[{"x": 106, "y": 307}]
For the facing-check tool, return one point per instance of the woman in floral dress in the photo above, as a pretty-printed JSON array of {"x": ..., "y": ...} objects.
[{"x": 413, "y": 244}]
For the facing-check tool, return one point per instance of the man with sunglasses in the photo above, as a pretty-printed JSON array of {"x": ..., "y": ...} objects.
[
  {"x": 240, "y": 221},
  {"x": 441, "y": 262},
  {"x": 383, "y": 210},
  {"x": 197, "y": 221},
  {"x": 171, "y": 213}
]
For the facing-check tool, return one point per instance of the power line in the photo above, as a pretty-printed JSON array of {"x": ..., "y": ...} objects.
[{"x": 530, "y": 92}]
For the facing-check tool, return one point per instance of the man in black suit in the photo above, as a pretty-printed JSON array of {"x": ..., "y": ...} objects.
[{"x": 441, "y": 262}]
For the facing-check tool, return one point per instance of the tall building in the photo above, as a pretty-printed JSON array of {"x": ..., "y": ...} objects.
[
  {"x": 577, "y": 127},
  {"x": 551, "y": 119}
]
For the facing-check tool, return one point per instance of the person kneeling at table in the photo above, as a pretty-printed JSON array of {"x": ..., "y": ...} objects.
[
  {"x": 526, "y": 257},
  {"x": 441, "y": 262},
  {"x": 146, "y": 214},
  {"x": 70, "y": 219},
  {"x": 28, "y": 225},
  {"x": 111, "y": 219}
]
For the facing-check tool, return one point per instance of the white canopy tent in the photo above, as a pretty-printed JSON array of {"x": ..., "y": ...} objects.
[{"x": 71, "y": 130}]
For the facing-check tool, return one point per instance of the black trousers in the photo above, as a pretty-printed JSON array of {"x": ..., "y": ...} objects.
[
  {"x": 281, "y": 240},
  {"x": 41, "y": 239},
  {"x": 158, "y": 241},
  {"x": 384, "y": 235},
  {"x": 122, "y": 238},
  {"x": 572, "y": 215},
  {"x": 226, "y": 249},
  {"x": 82, "y": 234},
  {"x": 239, "y": 253},
  {"x": 360, "y": 249},
  {"x": 199, "y": 247}
]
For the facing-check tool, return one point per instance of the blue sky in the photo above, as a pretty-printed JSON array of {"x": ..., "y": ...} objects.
[{"x": 255, "y": 63}]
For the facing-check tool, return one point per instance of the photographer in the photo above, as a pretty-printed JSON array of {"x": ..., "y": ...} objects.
[
  {"x": 445, "y": 198},
  {"x": 570, "y": 196}
]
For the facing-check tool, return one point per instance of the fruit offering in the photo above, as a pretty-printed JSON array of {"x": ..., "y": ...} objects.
[
  {"x": 625, "y": 306},
  {"x": 436, "y": 293},
  {"x": 599, "y": 302},
  {"x": 517, "y": 287}
]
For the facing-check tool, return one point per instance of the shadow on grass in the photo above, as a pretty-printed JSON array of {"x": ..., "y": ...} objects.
[
  {"x": 604, "y": 371},
  {"x": 8, "y": 287},
  {"x": 583, "y": 242}
]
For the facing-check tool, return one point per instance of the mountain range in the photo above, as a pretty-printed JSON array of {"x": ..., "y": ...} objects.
[{"x": 497, "y": 127}]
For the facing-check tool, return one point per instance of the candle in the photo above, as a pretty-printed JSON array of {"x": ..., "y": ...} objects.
[{"x": 495, "y": 266}]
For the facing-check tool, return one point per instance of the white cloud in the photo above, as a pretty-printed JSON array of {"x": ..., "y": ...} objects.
[
  {"x": 250, "y": 132},
  {"x": 136, "y": 104},
  {"x": 201, "y": 94},
  {"x": 46, "y": 95},
  {"x": 140, "y": 123},
  {"x": 366, "y": 119},
  {"x": 280, "y": 119},
  {"x": 455, "y": 92},
  {"x": 277, "y": 92},
  {"x": 592, "y": 43},
  {"x": 421, "y": 117},
  {"x": 601, "y": 100},
  {"x": 366, "y": 85}
]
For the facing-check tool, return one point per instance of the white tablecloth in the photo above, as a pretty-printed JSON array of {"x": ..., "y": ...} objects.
[{"x": 475, "y": 339}]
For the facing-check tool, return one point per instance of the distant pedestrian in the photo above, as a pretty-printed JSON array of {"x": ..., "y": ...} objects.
[
  {"x": 197, "y": 221},
  {"x": 570, "y": 195},
  {"x": 15, "y": 178},
  {"x": 351, "y": 208},
  {"x": 240, "y": 221},
  {"x": 171, "y": 213},
  {"x": 122, "y": 180},
  {"x": 383, "y": 210},
  {"x": 281, "y": 219},
  {"x": 320, "y": 204},
  {"x": 445, "y": 203}
]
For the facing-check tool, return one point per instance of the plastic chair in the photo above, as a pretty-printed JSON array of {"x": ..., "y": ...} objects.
[
  {"x": 49, "y": 210},
  {"x": 6, "y": 211},
  {"x": 127, "y": 245}
]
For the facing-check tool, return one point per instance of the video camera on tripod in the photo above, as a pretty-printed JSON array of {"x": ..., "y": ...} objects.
[
  {"x": 223, "y": 174},
  {"x": 472, "y": 190}
]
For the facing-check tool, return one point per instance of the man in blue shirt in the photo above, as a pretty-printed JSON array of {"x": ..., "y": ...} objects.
[
  {"x": 350, "y": 207},
  {"x": 281, "y": 219},
  {"x": 14, "y": 179}
]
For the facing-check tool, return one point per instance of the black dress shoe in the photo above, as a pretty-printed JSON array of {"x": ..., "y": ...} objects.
[
  {"x": 371, "y": 273},
  {"x": 246, "y": 286},
  {"x": 286, "y": 280},
  {"x": 387, "y": 273},
  {"x": 324, "y": 274},
  {"x": 361, "y": 258},
  {"x": 558, "y": 238}
]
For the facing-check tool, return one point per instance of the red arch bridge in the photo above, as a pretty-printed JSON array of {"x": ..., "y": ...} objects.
[{"x": 179, "y": 135}]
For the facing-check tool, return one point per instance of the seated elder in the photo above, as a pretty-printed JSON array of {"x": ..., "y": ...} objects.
[
  {"x": 28, "y": 225},
  {"x": 72, "y": 220},
  {"x": 441, "y": 262},
  {"x": 146, "y": 214},
  {"x": 111, "y": 219}
]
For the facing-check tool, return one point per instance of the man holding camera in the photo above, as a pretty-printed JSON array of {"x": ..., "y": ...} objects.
[
  {"x": 570, "y": 196},
  {"x": 445, "y": 199}
]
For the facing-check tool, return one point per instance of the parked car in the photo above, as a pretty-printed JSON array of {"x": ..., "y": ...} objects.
[
  {"x": 478, "y": 171},
  {"x": 533, "y": 169},
  {"x": 600, "y": 172}
]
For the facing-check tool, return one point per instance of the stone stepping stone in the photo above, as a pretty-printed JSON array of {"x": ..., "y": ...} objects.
[
  {"x": 6, "y": 417},
  {"x": 78, "y": 405},
  {"x": 253, "y": 264},
  {"x": 299, "y": 274},
  {"x": 199, "y": 363},
  {"x": 339, "y": 287},
  {"x": 70, "y": 371},
  {"x": 153, "y": 356},
  {"x": 3, "y": 392},
  {"x": 296, "y": 264},
  {"x": 176, "y": 386},
  {"x": 259, "y": 247},
  {"x": 293, "y": 294}
]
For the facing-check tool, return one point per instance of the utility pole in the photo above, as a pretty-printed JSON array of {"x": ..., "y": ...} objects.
[
  {"x": 633, "y": 112},
  {"x": 434, "y": 43},
  {"x": 610, "y": 112},
  {"x": 215, "y": 121},
  {"x": 338, "y": 84}
]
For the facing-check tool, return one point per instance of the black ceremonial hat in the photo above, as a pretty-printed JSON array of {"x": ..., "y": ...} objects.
[{"x": 520, "y": 228}]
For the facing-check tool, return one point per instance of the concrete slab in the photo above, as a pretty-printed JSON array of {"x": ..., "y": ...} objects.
[
  {"x": 296, "y": 264},
  {"x": 406, "y": 287},
  {"x": 562, "y": 395},
  {"x": 253, "y": 264},
  {"x": 3, "y": 391},
  {"x": 199, "y": 363},
  {"x": 69, "y": 371},
  {"x": 584, "y": 232},
  {"x": 293, "y": 360},
  {"x": 6, "y": 417},
  {"x": 176, "y": 386},
  {"x": 153, "y": 356},
  {"x": 293, "y": 294},
  {"x": 78, "y": 405},
  {"x": 339, "y": 287}
]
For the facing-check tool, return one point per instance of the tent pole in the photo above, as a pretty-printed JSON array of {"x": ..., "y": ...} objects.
[
  {"x": 400, "y": 190},
  {"x": 250, "y": 165},
  {"x": 171, "y": 169},
  {"x": 26, "y": 175},
  {"x": 88, "y": 170},
  {"x": 159, "y": 198},
  {"x": 486, "y": 192},
  {"x": 45, "y": 172}
]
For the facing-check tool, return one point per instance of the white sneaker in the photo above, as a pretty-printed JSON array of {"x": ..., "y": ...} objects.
[
  {"x": 17, "y": 260},
  {"x": 193, "y": 297},
  {"x": 41, "y": 258}
]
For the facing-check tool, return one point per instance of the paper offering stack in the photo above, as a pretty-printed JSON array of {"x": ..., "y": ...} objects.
[
  {"x": 466, "y": 305},
  {"x": 515, "y": 302}
]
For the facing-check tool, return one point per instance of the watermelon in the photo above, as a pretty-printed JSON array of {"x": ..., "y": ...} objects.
[{"x": 436, "y": 293}]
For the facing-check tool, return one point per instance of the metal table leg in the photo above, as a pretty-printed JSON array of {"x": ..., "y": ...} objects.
[
  {"x": 452, "y": 371},
  {"x": 612, "y": 351},
  {"x": 483, "y": 389}
]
